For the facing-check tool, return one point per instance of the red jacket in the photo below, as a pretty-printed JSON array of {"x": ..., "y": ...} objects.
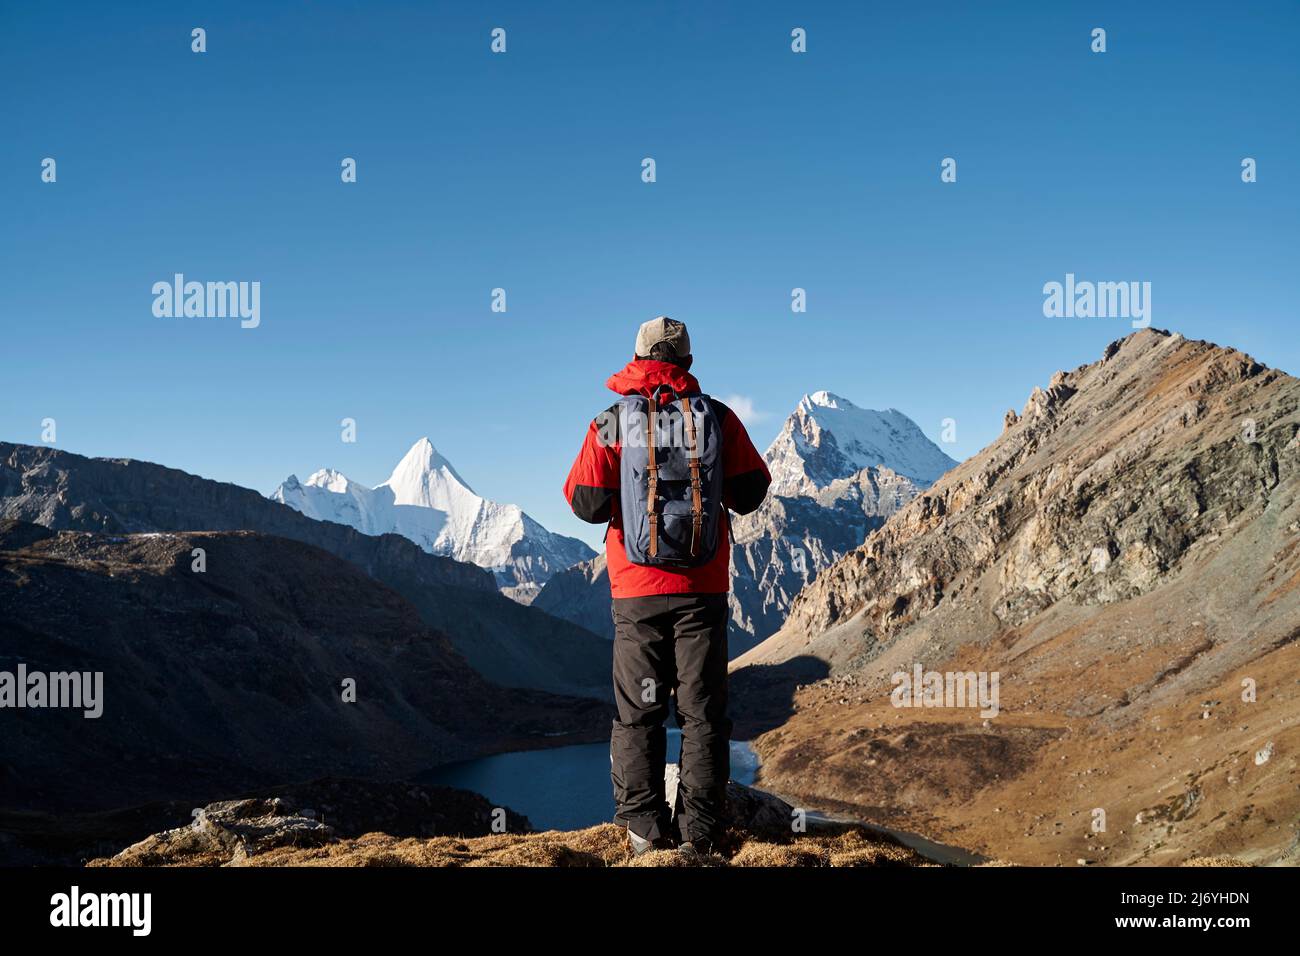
[{"x": 592, "y": 489}]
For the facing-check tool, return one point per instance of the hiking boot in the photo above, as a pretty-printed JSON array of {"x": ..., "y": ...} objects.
[
  {"x": 696, "y": 850},
  {"x": 641, "y": 845}
]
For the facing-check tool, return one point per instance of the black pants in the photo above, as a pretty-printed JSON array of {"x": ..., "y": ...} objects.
[{"x": 670, "y": 644}]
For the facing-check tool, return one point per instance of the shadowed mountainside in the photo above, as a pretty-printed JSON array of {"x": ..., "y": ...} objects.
[
  {"x": 232, "y": 677},
  {"x": 509, "y": 644}
]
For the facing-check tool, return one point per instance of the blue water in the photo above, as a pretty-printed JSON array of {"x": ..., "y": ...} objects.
[{"x": 564, "y": 788}]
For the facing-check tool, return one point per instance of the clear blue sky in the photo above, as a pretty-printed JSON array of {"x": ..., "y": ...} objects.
[{"x": 522, "y": 170}]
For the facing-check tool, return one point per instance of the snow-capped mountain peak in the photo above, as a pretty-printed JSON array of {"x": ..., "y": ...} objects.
[
  {"x": 326, "y": 478},
  {"x": 828, "y": 438},
  {"x": 427, "y": 501},
  {"x": 426, "y": 479},
  {"x": 824, "y": 399}
]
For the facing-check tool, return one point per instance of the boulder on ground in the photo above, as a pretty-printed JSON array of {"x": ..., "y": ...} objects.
[
  {"x": 230, "y": 831},
  {"x": 749, "y": 810}
]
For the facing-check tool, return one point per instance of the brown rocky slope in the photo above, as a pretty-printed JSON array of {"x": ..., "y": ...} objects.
[{"x": 1126, "y": 556}]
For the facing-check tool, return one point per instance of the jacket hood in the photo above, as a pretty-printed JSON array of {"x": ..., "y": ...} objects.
[{"x": 643, "y": 376}]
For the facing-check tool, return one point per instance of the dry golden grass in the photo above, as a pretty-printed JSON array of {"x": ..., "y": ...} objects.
[
  {"x": 598, "y": 846},
  {"x": 1215, "y": 861},
  {"x": 850, "y": 848}
]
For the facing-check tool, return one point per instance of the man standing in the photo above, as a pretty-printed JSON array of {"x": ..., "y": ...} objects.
[{"x": 663, "y": 465}]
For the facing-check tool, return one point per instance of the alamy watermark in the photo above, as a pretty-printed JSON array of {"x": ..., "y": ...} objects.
[
  {"x": 923, "y": 688},
  {"x": 78, "y": 690},
  {"x": 209, "y": 300},
  {"x": 133, "y": 911},
  {"x": 631, "y": 429},
  {"x": 1098, "y": 300}
]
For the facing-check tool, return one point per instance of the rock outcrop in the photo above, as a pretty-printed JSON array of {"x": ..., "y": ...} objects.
[
  {"x": 749, "y": 810},
  {"x": 234, "y": 830}
]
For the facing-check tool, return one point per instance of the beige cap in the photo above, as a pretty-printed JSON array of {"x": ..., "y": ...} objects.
[{"x": 666, "y": 331}]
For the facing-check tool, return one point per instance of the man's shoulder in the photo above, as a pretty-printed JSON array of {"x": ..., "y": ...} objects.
[
  {"x": 719, "y": 408},
  {"x": 612, "y": 413},
  {"x": 608, "y": 424}
]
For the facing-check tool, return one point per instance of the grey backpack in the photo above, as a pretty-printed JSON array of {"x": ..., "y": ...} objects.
[{"x": 670, "y": 472}]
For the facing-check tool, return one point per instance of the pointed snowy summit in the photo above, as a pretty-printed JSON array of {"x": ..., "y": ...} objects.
[
  {"x": 426, "y": 479},
  {"x": 426, "y": 500}
]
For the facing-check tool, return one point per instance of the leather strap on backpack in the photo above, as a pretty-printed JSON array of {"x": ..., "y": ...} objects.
[
  {"x": 652, "y": 473},
  {"x": 697, "y": 502}
]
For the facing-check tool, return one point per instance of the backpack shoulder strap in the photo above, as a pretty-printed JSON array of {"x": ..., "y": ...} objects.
[
  {"x": 693, "y": 459},
  {"x": 652, "y": 472}
]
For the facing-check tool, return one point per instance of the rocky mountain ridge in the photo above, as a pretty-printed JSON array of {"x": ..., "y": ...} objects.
[{"x": 1127, "y": 557}]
